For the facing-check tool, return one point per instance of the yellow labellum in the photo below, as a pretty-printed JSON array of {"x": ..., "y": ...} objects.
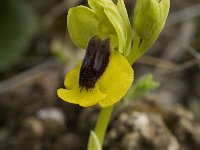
[{"x": 109, "y": 88}]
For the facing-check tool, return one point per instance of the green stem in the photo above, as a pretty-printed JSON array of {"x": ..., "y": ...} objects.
[
  {"x": 102, "y": 123},
  {"x": 132, "y": 57}
]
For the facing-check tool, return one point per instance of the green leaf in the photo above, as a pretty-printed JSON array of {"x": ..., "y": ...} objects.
[
  {"x": 82, "y": 25},
  {"x": 94, "y": 143},
  {"x": 143, "y": 86},
  {"x": 16, "y": 28}
]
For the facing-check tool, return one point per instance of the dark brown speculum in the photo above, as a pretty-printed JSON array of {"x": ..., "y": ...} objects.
[{"x": 95, "y": 62}]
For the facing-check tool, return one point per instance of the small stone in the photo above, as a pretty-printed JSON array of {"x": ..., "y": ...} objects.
[
  {"x": 53, "y": 120},
  {"x": 35, "y": 126},
  {"x": 123, "y": 117},
  {"x": 130, "y": 141}
]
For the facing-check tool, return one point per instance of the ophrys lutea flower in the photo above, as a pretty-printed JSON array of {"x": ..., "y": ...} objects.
[{"x": 104, "y": 76}]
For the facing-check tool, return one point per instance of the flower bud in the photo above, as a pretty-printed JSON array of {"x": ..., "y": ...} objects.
[
  {"x": 149, "y": 20},
  {"x": 150, "y": 17}
]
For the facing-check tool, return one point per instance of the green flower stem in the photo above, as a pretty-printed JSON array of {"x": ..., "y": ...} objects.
[
  {"x": 102, "y": 123},
  {"x": 134, "y": 54}
]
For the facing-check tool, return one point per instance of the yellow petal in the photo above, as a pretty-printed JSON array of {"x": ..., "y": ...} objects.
[
  {"x": 91, "y": 97},
  {"x": 66, "y": 95},
  {"x": 72, "y": 77},
  {"x": 74, "y": 94},
  {"x": 116, "y": 79},
  {"x": 82, "y": 97}
]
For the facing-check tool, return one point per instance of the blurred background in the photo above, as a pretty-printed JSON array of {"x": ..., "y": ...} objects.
[{"x": 36, "y": 52}]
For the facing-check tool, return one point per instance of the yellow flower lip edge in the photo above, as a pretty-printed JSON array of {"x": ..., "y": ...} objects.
[{"x": 109, "y": 88}]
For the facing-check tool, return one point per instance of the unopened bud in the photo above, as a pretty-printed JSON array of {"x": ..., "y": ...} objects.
[{"x": 149, "y": 20}]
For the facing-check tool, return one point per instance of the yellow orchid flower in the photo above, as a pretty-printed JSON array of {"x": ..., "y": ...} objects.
[
  {"x": 108, "y": 89},
  {"x": 105, "y": 75}
]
